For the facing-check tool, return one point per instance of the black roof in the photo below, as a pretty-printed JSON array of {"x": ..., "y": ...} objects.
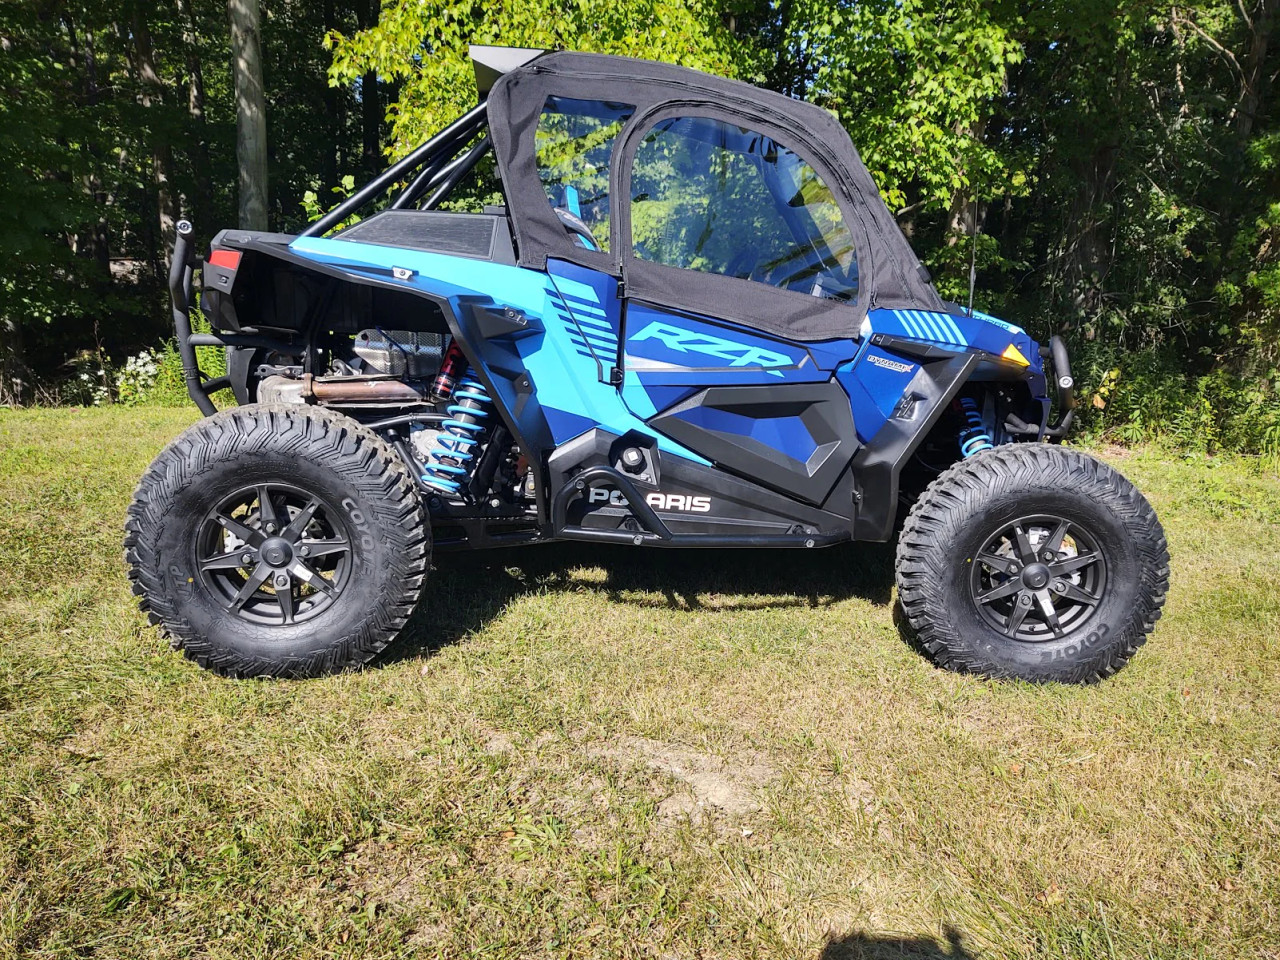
[{"x": 889, "y": 271}]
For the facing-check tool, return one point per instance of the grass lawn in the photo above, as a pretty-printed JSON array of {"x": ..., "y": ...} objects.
[{"x": 607, "y": 753}]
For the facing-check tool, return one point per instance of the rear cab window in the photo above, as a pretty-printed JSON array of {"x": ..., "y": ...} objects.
[{"x": 574, "y": 147}]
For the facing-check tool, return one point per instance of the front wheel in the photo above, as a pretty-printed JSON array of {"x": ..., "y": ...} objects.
[
  {"x": 1032, "y": 561},
  {"x": 277, "y": 540}
]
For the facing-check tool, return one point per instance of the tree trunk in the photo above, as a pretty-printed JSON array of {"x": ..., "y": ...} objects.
[
  {"x": 331, "y": 159},
  {"x": 251, "y": 112},
  {"x": 201, "y": 205},
  {"x": 1254, "y": 67},
  {"x": 162, "y": 153},
  {"x": 371, "y": 112}
]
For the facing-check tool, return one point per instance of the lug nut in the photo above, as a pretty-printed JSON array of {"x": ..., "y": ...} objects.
[
  {"x": 282, "y": 580},
  {"x": 271, "y": 528},
  {"x": 305, "y": 551},
  {"x": 246, "y": 558}
]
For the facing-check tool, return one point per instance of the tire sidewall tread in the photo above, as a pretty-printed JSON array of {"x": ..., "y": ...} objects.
[
  {"x": 284, "y": 443},
  {"x": 964, "y": 505}
]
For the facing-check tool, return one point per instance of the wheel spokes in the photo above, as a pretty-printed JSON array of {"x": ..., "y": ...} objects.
[
  {"x": 1022, "y": 572},
  {"x": 312, "y": 579},
  {"x": 1026, "y": 552},
  {"x": 1069, "y": 590},
  {"x": 293, "y": 532},
  {"x": 249, "y": 535},
  {"x": 261, "y": 573},
  {"x": 1053, "y": 545},
  {"x": 224, "y": 561},
  {"x": 1062, "y": 567},
  {"x": 322, "y": 548},
  {"x": 267, "y": 510},
  {"x": 1047, "y": 612},
  {"x": 292, "y": 553},
  {"x": 1016, "y": 616},
  {"x": 1002, "y": 564},
  {"x": 284, "y": 597},
  {"x": 1006, "y": 589}
]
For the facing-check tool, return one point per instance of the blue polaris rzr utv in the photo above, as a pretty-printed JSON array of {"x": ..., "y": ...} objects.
[{"x": 691, "y": 323}]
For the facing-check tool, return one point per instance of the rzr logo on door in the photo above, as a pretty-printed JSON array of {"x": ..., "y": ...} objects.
[
  {"x": 659, "y": 501},
  {"x": 738, "y": 354}
]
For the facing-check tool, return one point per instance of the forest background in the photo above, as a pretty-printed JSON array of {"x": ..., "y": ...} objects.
[{"x": 1120, "y": 159}]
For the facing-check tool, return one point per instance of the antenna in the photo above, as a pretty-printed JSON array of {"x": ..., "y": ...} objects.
[{"x": 973, "y": 252}]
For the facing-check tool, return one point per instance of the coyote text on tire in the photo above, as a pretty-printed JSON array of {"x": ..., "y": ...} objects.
[{"x": 693, "y": 324}]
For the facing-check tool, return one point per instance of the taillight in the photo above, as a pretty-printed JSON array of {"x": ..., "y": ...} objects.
[{"x": 226, "y": 259}]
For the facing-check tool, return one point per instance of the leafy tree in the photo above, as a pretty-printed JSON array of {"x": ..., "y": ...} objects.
[{"x": 422, "y": 46}]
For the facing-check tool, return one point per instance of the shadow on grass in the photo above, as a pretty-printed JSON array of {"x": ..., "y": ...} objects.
[
  {"x": 866, "y": 946},
  {"x": 465, "y": 591}
]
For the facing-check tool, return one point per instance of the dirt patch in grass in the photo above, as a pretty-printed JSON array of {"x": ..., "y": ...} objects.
[{"x": 707, "y": 783}]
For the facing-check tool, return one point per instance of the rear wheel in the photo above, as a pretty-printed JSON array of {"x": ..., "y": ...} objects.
[
  {"x": 277, "y": 540},
  {"x": 1032, "y": 561}
]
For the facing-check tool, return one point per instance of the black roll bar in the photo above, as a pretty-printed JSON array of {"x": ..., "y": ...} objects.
[
  {"x": 453, "y": 174},
  {"x": 464, "y": 127},
  {"x": 180, "y": 271}
]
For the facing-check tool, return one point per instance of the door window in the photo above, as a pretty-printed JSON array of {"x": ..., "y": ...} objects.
[
  {"x": 715, "y": 197},
  {"x": 574, "y": 143}
]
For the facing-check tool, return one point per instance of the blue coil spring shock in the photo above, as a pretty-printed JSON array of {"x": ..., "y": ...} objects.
[
  {"x": 974, "y": 438},
  {"x": 450, "y": 459}
]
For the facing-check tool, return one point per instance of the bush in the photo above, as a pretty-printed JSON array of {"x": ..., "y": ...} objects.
[{"x": 1143, "y": 396}]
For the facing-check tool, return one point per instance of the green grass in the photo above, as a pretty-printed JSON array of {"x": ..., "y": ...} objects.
[{"x": 606, "y": 753}]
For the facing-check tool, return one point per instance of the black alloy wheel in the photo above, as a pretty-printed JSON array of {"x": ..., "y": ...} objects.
[
  {"x": 275, "y": 554},
  {"x": 1039, "y": 578},
  {"x": 1032, "y": 561},
  {"x": 278, "y": 540}
]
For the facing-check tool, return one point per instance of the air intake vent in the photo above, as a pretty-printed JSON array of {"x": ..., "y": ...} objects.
[{"x": 472, "y": 235}]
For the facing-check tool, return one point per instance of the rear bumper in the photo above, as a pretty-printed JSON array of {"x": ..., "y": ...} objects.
[
  {"x": 181, "y": 271},
  {"x": 240, "y": 346}
]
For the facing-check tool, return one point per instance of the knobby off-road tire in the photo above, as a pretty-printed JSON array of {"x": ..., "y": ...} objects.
[
  {"x": 277, "y": 540},
  {"x": 1032, "y": 561}
]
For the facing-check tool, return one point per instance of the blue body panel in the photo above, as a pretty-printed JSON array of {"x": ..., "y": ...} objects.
[
  {"x": 577, "y": 338},
  {"x": 670, "y": 356},
  {"x": 875, "y": 382},
  {"x": 571, "y": 399}
]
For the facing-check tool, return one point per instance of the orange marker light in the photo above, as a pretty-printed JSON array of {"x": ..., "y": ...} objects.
[{"x": 1014, "y": 354}]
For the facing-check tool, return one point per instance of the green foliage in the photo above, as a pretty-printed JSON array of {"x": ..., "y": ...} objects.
[
  {"x": 1142, "y": 395},
  {"x": 915, "y": 82},
  {"x": 1122, "y": 159},
  {"x": 422, "y": 46}
]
